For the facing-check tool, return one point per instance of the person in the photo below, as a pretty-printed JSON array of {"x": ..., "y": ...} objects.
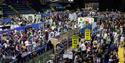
[
  {"x": 46, "y": 35},
  {"x": 71, "y": 18},
  {"x": 60, "y": 46},
  {"x": 108, "y": 26},
  {"x": 50, "y": 61},
  {"x": 83, "y": 48},
  {"x": 50, "y": 45}
]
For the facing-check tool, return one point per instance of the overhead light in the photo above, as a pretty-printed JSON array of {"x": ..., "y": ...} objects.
[
  {"x": 70, "y": 0},
  {"x": 54, "y": 0}
]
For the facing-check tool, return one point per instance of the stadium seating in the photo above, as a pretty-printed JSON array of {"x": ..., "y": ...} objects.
[
  {"x": 23, "y": 9},
  {"x": 7, "y": 10},
  {"x": 0, "y": 7},
  {"x": 38, "y": 7}
]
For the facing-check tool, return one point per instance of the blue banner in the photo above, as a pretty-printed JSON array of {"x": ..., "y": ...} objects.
[
  {"x": 22, "y": 28},
  {"x": 7, "y": 20}
]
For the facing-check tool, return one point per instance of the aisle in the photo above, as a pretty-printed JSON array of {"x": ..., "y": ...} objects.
[{"x": 121, "y": 54}]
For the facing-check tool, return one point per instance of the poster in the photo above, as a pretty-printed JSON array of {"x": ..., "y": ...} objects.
[
  {"x": 87, "y": 34},
  {"x": 83, "y": 21},
  {"x": 80, "y": 22},
  {"x": 121, "y": 55},
  {"x": 89, "y": 20},
  {"x": 75, "y": 41}
]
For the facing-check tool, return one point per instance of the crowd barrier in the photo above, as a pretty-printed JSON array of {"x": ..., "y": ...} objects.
[
  {"x": 9, "y": 21},
  {"x": 29, "y": 55},
  {"x": 22, "y": 28},
  {"x": 37, "y": 26},
  {"x": 43, "y": 58},
  {"x": 38, "y": 50},
  {"x": 46, "y": 55}
]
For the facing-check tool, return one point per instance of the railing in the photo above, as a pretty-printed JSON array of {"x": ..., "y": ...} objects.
[
  {"x": 42, "y": 58},
  {"x": 49, "y": 55},
  {"x": 40, "y": 55}
]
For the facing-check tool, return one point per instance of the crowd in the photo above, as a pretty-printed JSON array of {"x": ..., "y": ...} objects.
[
  {"x": 19, "y": 43},
  {"x": 102, "y": 48},
  {"x": 104, "y": 44}
]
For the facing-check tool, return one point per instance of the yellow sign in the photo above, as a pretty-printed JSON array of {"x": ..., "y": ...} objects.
[
  {"x": 75, "y": 41},
  {"x": 121, "y": 55},
  {"x": 87, "y": 34}
]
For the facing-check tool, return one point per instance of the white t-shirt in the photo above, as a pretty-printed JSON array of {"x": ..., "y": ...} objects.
[
  {"x": 115, "y": 34},
  {"x": 50, "y": 21},
  {"x": 27, "y": 43},
  {"x": 121, "y": 29},
  {"x": 34, "y": 44},
  {"x": 122, "y": 39},
  {"x": 60, "y": 23},
  {"x": 75, "y": 26},
  {"x": 74, "y": 16},
  {"x": 59, "y": 28},
  {"x": 50, "y": 61},
  {"x": 101, "y": 27},
  {"x": 57, "y": 33},
  {"x": 71, "y": 18},
  {"x": 1, "y": 28},
  {"x": 5, "y": 45},
  {"x": 105, "y": 35},
  {"x": 51, "y": 35},
  {"x": 68, "y": 55},
  {"x": 98, "y": 35},
  {"x": 53, "y": 27},
  {"x": 83, "y": 47}
]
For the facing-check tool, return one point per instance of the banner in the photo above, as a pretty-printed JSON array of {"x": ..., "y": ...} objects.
[
  {"x": 75, "y": 41},
  {"x": 84, "y": 21},
  {"x": 32, "y": 17},
  {"x": 80, "y": 22},
  {"x": 7, "y": 20},
  {"x": 121, "y": 55},
  {"x": 36, "y": 26},
  {"x": 89, "y": 20},
  {"x": 87, "y": 34}
]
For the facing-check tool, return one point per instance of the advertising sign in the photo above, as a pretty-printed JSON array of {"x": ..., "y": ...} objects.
[
  {"x": 87, "y": 35},
  {"x": 75, "y": 41},
  {"x": 89, "y": 20},
  {"x": 82, "y": 21},
  {"x": 121, "y": 55}
]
